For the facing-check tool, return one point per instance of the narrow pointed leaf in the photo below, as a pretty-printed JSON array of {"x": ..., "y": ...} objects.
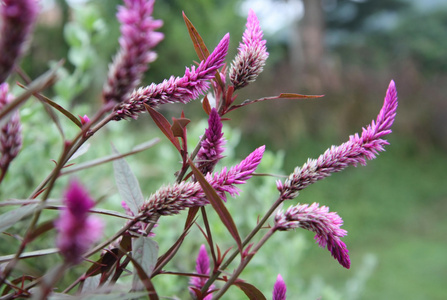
[
  {"x": 37, "y": 253},
  {"x": 250, "y": 290},
  {"x": 298, "y": 96},
  {"x": 62, "y": 110},
  {"x": 12, "y": 217},
  {"x": 127, "y": 184},
  {"x": 289, "y": 96},
  {"x": 199, "y": 45},
  {"x": 145, "y": 253},
  {"x": 164, "y": 126},
  {"x": 217, "y": 204},
  {"x": 206, "y": 105}
]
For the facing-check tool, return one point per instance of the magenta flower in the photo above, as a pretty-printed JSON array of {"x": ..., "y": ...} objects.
[
  {"x": 18, "y": 17},
  {"x": 279, "y": 289},
  {"x": 355, "y": 151},
  {"x": 172, "y": 199},
  {"x": 202, "y": 268},
  {"x": 10, "y": 133},
  {"x": 138, "y": 37},
  {"x": 317, "y": 219},
  {"x": 77, "y": 230},
  {"x": 212, "y": 146},
  {"x": 181, "y": 89},
  {"x": 250, "y": 60}
]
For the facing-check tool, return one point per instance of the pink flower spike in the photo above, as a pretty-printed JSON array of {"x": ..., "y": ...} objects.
[
  {"x": 279, "y": 289},
  {"x": 202, "y": 268},
  {"x": 77, "y": 230},
  {"x": 252, "y": 54},
  {"x": 84, "y": 120},
  {"x": 319, "y": 220}
]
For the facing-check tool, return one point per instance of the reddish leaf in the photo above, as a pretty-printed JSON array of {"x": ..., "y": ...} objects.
[
  {"x": 178, "y": 126},
  {"x": 206, "y": 105},
  {"x": 217, "y": 204},
  {"x": 145, "y": 280},
  {"x": 297, "y": 96},
  {"x": 250, "y": 290},
  {"x": 199, "y": 45},
  {"x": 164, "y": 126}
]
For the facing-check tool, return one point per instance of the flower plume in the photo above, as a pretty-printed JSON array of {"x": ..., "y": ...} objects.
[
  {"x": 279, "y": 289},
  {"x": 176, "y": 89},
  {"x": 202, "y": 268},
  {"x": 325, "y": 224},
  {"x": 351, "y": 153},
  {"x": 138, "y": 37},
  {"x": 252, "y": 54}
]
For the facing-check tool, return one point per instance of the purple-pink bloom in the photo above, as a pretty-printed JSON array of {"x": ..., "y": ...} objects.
[
  {"x": 176, "y": 89},
  {"x": 172, "y": 199},
  {"x": 77, "y": 230},
  {"x": 212, "y": 146},
  {"x": 252, "y": 54},
  {"x": 17, "y": 20},
  {"x": 10, "y": 133},
  {"x": 138, "y": 37},
  {"x": 279, "y": 289},
  {"x": 202, "y": 268},
  {"x": 355, "y": 151},
  {"x": 317, "y": 219}
]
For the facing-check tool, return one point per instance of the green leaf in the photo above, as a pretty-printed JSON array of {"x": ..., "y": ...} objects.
[
  {"x": 6, "y": 258},
  {"x": 218, "y": 204},
  {"x": 11, "y": 217},
  {"x": 145, "y": 253},
  {"x": 127, "y": 184},
  {"x": 250, "y": 290}
]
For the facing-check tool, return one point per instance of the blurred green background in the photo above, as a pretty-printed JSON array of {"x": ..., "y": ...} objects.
[{"x": 394, "y": 208}]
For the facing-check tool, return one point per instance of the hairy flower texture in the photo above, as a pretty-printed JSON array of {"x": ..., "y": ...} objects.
[
  {"x": 355, "y": 151},
  {"x": 317, "y": 219},
  {"x": 10, "y": 133},
  {"x": 18, "y": 17},
  {"x": 172, "y": 199},
  {"x": 279, "y": 289},
  {"x": 202, "y": 268},
  {"x": 138, "y": 37},
  {"x": 77, "y": 230},
  {"x": 176, "y": 89},
  {"x": 252, "y": 54},
  {"x": 212, "y": 146}
]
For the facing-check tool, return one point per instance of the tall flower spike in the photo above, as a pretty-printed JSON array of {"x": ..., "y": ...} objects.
[
  {"x": 317, "y": 219},
  {"x": 355, "y": 151},
  {"x": 170, "y": 200},
  {"x": 212, "y": 146},
  {"x": 18, "y": 17},
  {"x": 138, "y": 37},
  {"x": 10, "y": 133},
  {"x": 181, "y": 89},
  {"x": 202, "y": 268},
  {"x": 252, "y": 54},
  {"x": 279, "y": 289},
  {"x": 77, "y": 231}
]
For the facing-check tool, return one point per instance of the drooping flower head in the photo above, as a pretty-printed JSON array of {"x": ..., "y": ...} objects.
[
  {"x": 252, "y": 54},
  {"x": 10, "y": 133},
  {"x": 279, "y": 289},
  {"x": 176, "y": 90},
  {"x": 77, "y": 230},
  {"x": 202, "y": 268},
  {"x": 355, "y": 151},
  {"x": 212, "y": 146},
  {"x": 325, "y": 224},
  {"x": 17, "y": 20}
]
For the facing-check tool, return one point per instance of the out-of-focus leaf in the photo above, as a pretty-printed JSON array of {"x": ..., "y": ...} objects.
[
  {"x": 61, "y": 110},
  {"x": 217, "y": 204},
  {"x": 164, "y": 126},
  {"x": 37, "y": 253},
  {"x": 250, "y": 290},
  {"x": 127, "y": 184},
  {"x": 11, "y": 217},
  {"x": 145, "y": 253},
  {"x": 81, "y": 151}
]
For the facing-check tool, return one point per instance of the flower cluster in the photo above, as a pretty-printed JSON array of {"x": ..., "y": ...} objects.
[
  {"x": 250, "y": 60},
  {"x": 317, "y": 219},
  {"x": 176, "y": 89},
  {"x": 202, "y": 268},
  {"x": 18, "y": 17},
  {"x": 138, "y": 37}
]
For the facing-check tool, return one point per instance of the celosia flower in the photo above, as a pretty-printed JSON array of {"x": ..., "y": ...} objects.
[
  {"x": 355, "y": 151},
  {"x": 172, "y": 199},
  {"x": 84, "y": 120},
  {"x": 77, "y": 230},
  {"x": 10, "y": 133},
  {"x": 212, "y": 146},
  {"x": 18, "y": 17},
  {"x": 138, "y": 37},
  {"x": 252, "y": 54},
  {"x": 279, "y": 289},
  {"x": 202, "y": 268},
  {"x": 181, "y": 89},
  {"x": 317, "y": 219}
]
